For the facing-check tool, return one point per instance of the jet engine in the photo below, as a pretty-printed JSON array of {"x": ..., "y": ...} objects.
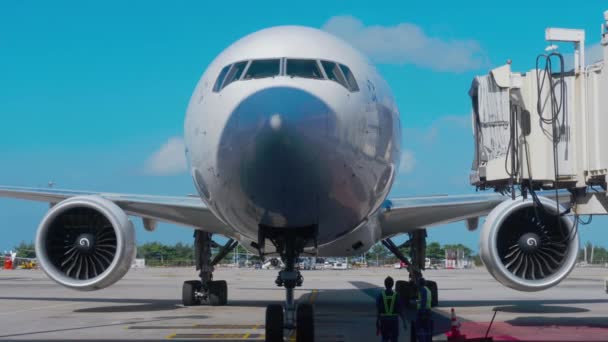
[
  {"x": 528, "y": 247},
  {"x": 85, "y": 243}
]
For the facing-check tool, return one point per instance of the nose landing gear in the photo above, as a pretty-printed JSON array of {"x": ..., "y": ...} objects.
[{"x": 289, "y": 243}]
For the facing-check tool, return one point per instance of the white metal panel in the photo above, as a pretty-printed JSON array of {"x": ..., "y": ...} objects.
[
  {"x": 537, "y": 147},
  {"x": 565, "y": 150},
  {"x": 491, "y": 126},
  {"x": 597, "y": 111}
]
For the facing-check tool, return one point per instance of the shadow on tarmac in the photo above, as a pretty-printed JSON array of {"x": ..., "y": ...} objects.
[
  {"x": 344, "y": 313},
  {"x": 591, "y": 322},
  {"x": 139, "y": 304},
  {"x": 539, "y": 309},
  {"x": 76, "y": 329},
  {"x": 509, "y": 302}
]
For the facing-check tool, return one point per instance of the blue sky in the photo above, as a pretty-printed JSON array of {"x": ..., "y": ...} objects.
[{"x": 92, "y": 94}]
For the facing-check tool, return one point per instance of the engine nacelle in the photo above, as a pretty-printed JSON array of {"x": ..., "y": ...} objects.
[
  {"x": 528, "y": 248},
  {"x": 85, "y": 243}
]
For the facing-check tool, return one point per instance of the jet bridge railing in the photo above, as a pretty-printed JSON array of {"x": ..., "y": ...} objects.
[{"x": 544, "y": 128}]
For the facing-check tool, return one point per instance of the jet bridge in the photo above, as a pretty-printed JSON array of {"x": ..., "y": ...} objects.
[{"x": 545, "y": 128}]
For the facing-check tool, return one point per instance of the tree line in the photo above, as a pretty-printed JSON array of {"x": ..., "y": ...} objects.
[
  {"x": 157, "y": 253},
  {"x": 379, "y": 254}
]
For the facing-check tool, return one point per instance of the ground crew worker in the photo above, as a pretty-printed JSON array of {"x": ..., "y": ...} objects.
[
  {"x": 389, "y": 307},
  {"x": 424, "y": 321}
]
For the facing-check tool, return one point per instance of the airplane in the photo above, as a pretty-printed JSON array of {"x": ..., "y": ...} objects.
[{"x": 293, "y": 141}]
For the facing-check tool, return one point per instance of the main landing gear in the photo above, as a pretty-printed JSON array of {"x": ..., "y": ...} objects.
[
  {"x": 289, "y": 243},
  {"x": 206, "y": 290},
  {"x": 416, "y": 264}
]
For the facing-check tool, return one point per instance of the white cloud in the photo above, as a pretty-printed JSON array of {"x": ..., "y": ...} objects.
[
  {"x": 408, "y": 162},
  {"x": 431, "y": 134},
  {"x": 168, "y": 160},
  {"x": 443, "y": 152},
  {"x": 407, "y": 43}
]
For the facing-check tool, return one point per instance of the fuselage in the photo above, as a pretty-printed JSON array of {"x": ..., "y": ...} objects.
[{"x": 291, "y": 127}]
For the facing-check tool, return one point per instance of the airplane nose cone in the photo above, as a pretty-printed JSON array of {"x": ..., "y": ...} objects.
[{"x": 269, "y": 155}]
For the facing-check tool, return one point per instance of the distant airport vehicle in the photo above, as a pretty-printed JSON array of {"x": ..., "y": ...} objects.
[
  {"x": 307, "y": 264},
  {"x": 272, "y": 263},
  {"x": 340, "y": 266},
  {"x": 293, "y": 141},
  {"x": 403, "y": 265},
  {"x": 400, "y": 265}
]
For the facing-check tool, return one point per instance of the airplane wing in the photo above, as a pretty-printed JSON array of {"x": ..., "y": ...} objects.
[
  {"x": 186, "y": 211},
  {"x": 402, "y": 215}
]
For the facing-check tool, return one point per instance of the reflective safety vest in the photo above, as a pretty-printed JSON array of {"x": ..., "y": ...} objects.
[
  {"x": 424, "y": 298},
  {"x": 389, "y": 304}
]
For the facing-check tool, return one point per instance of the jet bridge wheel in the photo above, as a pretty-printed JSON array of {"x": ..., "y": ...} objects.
[
  {"x": 189, "y": 290},
  {"x": 274, "y": 323},
  {"x": 305, "y": 325}
]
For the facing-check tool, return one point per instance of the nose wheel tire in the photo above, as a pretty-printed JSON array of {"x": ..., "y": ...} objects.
[
  {"x": 189, "y": 289},
  {"x": 305, "y": 324},
  {"x": 274, "y": 323}
]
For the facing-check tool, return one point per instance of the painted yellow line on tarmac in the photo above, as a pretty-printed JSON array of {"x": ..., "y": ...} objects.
[
  {"x": 313, "y": 296},
  {"x": 197, "y": 326}
]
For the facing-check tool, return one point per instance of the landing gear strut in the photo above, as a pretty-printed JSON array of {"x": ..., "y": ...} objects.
[
  {"x": 206, "y": 290},
  {"x": 415, "y": 265},
  {"x": 289, "y": 244}
]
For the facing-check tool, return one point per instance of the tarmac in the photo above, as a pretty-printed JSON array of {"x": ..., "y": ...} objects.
[{"x": 146, "y": 305}]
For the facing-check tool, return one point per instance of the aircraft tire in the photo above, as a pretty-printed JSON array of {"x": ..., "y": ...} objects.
[
  {"x": 188, "y": 292},
  {"x": 406, "y": 290},
  {"x": 305, "y": 323},
  {"x": 274, "y": 323},
  {"x": 217, "y": 292},
  {"x": 434, "y": 292},
  {"x": 223, "y": 286}
]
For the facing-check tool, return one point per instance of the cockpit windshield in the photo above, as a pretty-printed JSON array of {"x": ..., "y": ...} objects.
[
  {"x": 263, "y": 68},
  {"x": 218, "y": 83},
  {"x": 292, "y": 67},
  {"x": 306, "y": 68},
  {"x": 350, "y": 78},
  {"x": 334, "y": 73},
  {"x": 235, "y": 73}
]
